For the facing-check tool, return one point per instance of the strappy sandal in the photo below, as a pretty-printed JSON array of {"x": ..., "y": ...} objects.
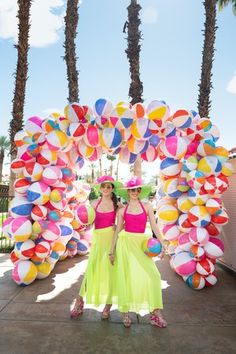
[
  {"x": 157, "y": 320},
  {"x": 127, "y": 321},
  {"x": 106, "y": 312},
  {"x": 77, "y": 309}
]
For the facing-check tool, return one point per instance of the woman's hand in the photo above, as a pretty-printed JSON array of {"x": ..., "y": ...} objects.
[{"x": 112, "y": 258}]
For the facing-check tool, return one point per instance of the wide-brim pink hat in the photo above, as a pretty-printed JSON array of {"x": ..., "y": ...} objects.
[
  {"x": 135, "y": 182},
  {"x": 108, "y": 179}
]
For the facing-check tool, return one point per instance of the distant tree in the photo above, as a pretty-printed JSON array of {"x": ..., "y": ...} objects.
[
  {"x": 4, "y": 147},
  {"x": 111, "y": 159},
  {"x": 71, "y": 22},
  {"x": 21, "y": 76},
  {"x": 133, "y": 54},
  {"x": 210, "y": 27}
]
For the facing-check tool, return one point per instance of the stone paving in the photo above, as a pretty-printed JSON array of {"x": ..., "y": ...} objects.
[{"x": 35, "y": 319}]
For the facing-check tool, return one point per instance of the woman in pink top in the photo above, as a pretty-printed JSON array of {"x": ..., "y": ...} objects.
[
  {"x": 98, "y": 286},
  {"x": 138, "y": 279}
]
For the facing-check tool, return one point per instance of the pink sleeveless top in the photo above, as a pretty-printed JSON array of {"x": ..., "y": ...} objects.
[
  {"x": 104, "y": 219},
  {"x": 135, "y": 222}
]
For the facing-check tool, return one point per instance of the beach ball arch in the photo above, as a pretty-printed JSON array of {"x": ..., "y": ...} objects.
[{"x": 50, "y": 216}]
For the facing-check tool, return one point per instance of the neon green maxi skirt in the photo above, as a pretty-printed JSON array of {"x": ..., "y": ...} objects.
[
  {"x": 99, "y": 283},
  {"x": 138, "y": 279}
]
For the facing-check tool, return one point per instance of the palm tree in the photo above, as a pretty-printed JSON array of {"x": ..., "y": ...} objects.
[
  {"x": 71, "y": 21},
  {"x": 18, "y": 101},
  {"x": 4, "y": 146},
  {"x": 205, "y": 86},
  {"x": 111, "y": 159},
  {"x": 133, "y": 53}
]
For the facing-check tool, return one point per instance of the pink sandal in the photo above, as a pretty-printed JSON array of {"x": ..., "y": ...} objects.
[
  {"x": 106, "y": 312},
  {"x": 157, "y": 320},
  {"x": 77, "y": 308}
]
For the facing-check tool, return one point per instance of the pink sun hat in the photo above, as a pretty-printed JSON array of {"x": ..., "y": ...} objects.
[
  {"x": 108, "y": 179},
  {"x": 135, "y": 182}
]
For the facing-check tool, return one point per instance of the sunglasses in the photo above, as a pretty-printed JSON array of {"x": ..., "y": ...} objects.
[
  {"x": 107, "y": 186},
  {"x": 135, "y": 190}
]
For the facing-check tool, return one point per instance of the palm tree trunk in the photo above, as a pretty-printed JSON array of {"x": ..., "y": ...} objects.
[
  {"x": 133, "y": 55},
  {"x": 71, "y": 22},
  {"x": 22, "y": 47},
  {"x": 117, "y": 169},
  {"x": 1, "y": 163},
  {"x": 100, "y": 166},
  {"x": 205, "y": 86}
]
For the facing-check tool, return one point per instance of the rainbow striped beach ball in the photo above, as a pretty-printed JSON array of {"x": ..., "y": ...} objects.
[{"x": 24, "y": 273}]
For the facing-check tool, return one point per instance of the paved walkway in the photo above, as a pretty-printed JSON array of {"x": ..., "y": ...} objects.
[{"x": 35, "y": 319}]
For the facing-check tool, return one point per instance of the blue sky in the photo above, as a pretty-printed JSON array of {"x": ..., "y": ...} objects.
[{"x": 170, "y": 58}]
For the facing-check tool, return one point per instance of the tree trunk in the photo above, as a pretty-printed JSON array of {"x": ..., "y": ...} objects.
[
  {"x": 133, "y": 55},
  {"x": 100, "y": 166},
  {"x": 18, "y": 101},
  {"x": 117, "y": 169},
  {"x": 1, "y": 163},
  {"x": 71, "y": 22},
  {"x": 205, "y": 86}
]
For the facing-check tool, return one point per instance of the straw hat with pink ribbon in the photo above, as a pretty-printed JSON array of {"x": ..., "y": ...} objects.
[
  {"x": 133, "y": 183},
  {"x": 108, "y": 179}
]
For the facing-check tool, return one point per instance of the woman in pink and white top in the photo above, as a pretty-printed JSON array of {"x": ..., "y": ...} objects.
[
  {"x": 138, "y": 280},
  {"x": 98, "y": 286}
]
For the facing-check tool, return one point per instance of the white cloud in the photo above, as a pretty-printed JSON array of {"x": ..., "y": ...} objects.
[
  {"x": 231, "y": 87},
  {"x": 149, "y": 15},
  {"x": 46, "y": 21}
]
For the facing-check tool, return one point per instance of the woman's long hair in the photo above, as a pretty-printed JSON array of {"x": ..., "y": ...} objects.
[{"x": 114, "y": 200}]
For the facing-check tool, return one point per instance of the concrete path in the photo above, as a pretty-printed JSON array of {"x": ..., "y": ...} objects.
[{"x": 35, "y": 319}]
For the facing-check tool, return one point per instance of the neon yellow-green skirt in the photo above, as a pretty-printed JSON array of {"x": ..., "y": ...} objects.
[
  {"x": 138, "y": 279},
  {"x": 99, "y": 283}
]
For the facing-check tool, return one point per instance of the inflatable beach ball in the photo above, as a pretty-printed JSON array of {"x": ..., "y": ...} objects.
[
  {"x": 170, "y": 232},
  {"x": 170, "y": 167},
  {"x": 152, "y": 247},
  {"x": 137, "y": 146},
  {"x": 150, "y": 154},
  {"x": 184, "y": 242},
  {"x": 18, "y": 138},
  {"x": 84, "y": 150},
  {"x": 110, "y": 138},
  {"x": 184, "y": 223},
  {"x": 211, "y": 279},
  {"x": 91, "y": 136},
  {"x": 195, "y": 179},
  {"x": 39, "y": 212},
  {"x": 38, "y": 193},
  {"x": 184, "y": 264},
  {"x": 20, "y": 206},
  {"x": 82, "y": 247},
  {"x": 197, "y": 252},
  {"x": 103, "y": 107},
  {"x": 33, "y": 125},
  {"x": 76, "y": 131},
  {"x": 182, "y": 184},
  {"x": 196, "y": 281},
  {"x": 170, "y": 188},
  {"x": 199, "y": 216},
  {"x": 24, "y": 273},
  {"x": 126, "y": 156},
  {"x": 190, "y": 163},
  {"x": 213, "y": 205},
  {"x": 205, "y": 267},
  {"x": 168, "y": 214},
  {"x": 74, "y": 112},
  {"x": 184, "y": 204},
  {"x": 21, "y": 229},
  {"x": 206, "y": 147},
  {"x": 17, "y": 166},
  {"x": 23, "y": 154},
  {"x": 214, "y": 248},
  {"x": 221, "y": 217},
  {"x": 209, "y": 165},
  {"x": 140, "y": 129},
  {"x": 32, "y": 171},
  {"x": 51, "y": 175},
  {"x": 52, "y": 233},
  {"x": 139, "y": 110},
  {"x": 24, "y": 250},
  {"x": 199, "y": 236},
  {"x": 174, "y": 146},
  {"x": 21, "y": 185},
  {"x": 227, "y": 169},
  {"x": 182, "y": 119},
  {"x": 85, "y": 214},
  {"x": 57, "y": 140},
  {"x": 158, "y": 111},
  {"x": 43, "y": 270},
  {"x": 47, "y": 157},
  {"x": 198, "y": 196},
  {"x": 42, "y": 249}
]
